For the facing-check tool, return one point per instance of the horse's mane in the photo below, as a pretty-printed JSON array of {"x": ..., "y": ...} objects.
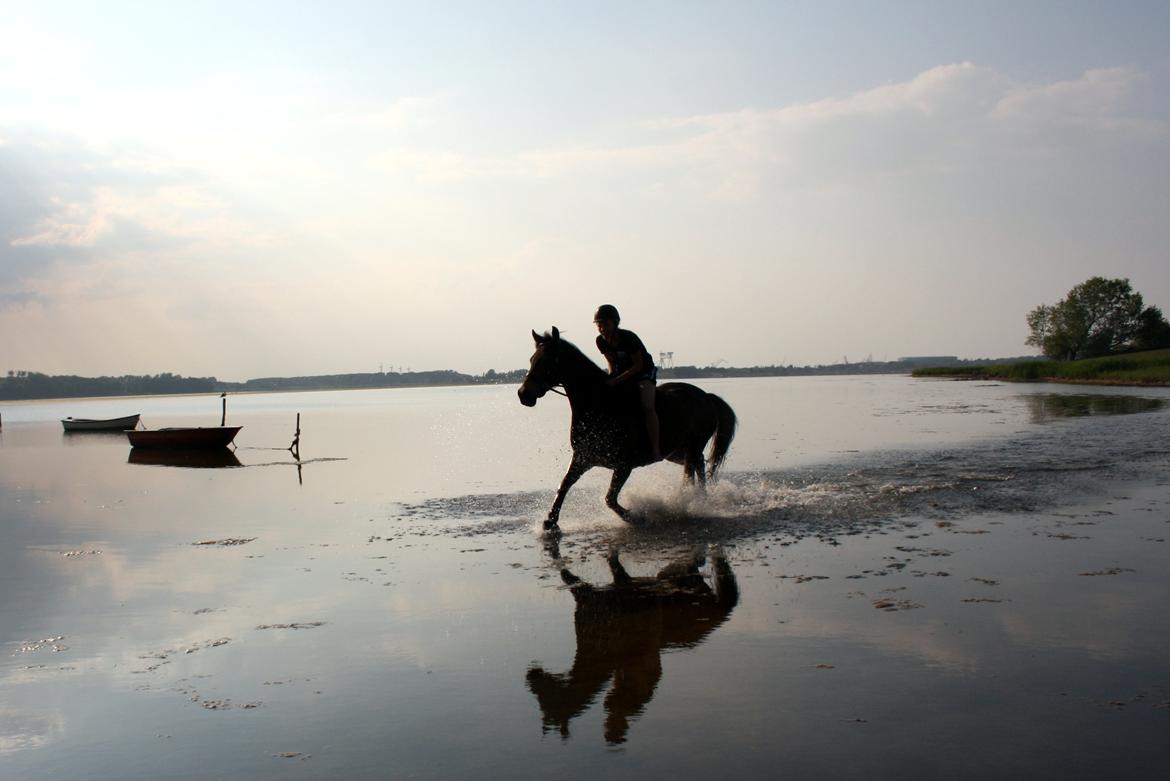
[{"x": 578, "y": 354}]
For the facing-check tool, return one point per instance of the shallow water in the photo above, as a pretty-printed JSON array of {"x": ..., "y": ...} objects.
[{"x": 896, "y": 578}]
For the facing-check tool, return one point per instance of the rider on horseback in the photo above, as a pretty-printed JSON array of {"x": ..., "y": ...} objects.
[{"x": 629, "y": 362}]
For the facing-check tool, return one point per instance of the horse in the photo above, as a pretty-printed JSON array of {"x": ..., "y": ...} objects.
[
  {"x": 622, "y": 630},
  {"x": 608, "y": 430}
]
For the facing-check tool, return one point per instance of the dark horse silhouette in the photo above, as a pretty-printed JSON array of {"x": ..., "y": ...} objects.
[
  {"x": 607, "y": 428},
  {"x": 622, "y": 630}
]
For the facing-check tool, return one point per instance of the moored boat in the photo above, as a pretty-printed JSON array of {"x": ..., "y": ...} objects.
[
  {"x": 184, "y": 438},
  {"x": 92, "y": 424}
]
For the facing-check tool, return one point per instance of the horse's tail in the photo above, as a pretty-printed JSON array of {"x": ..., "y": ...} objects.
[{"x": 724, "y": 433}]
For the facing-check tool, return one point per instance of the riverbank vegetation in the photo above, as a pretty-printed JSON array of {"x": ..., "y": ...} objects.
[{"x": 1145, "y": 368}]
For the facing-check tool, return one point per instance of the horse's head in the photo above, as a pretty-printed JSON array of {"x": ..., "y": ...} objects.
[{"x": 544, "y": 370}]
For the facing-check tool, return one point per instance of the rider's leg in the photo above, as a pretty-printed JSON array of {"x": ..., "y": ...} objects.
[{"x": 647, "y": 391}]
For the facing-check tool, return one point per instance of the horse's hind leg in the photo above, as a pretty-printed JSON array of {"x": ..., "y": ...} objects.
[
  {"x": 695, "y": 467},
  {"x": 620, "y": 476}
]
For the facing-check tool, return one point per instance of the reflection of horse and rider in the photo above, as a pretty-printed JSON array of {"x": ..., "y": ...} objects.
[
  {"x": 622, "y": 630},
  {"x": 620, "y": 420}
]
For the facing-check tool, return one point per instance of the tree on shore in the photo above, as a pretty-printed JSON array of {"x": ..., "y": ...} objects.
[
  {"x": 1098, "y": 317},
  {"x": 1154, "y": 331}
]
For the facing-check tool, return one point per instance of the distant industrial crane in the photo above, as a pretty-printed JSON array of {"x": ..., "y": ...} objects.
[{"x": 666, "y": 360}]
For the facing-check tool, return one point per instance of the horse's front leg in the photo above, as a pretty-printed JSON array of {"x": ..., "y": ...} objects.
[
  {"x": 620, "y": 476},
  {"x": 576, "y": 469}
]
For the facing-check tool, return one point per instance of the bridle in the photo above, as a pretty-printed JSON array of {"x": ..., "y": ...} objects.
[{"x": 556, "y": 365}]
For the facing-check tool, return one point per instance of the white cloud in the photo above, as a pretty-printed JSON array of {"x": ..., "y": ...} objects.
[
  {"x": 1094, "y": 104},
  {"x": 942, "y": 119},
  {"x": 76, "y": 224},
  {"x": 946, "y": 118},
  {"x": 91, "y": 195}
]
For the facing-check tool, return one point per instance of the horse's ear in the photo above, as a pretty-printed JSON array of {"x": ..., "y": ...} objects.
[
  {"x": 536, "y": 338},
  {"x": 555, "y": 333}
]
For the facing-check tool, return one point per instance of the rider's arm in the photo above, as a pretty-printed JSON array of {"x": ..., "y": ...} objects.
[{"x": 634, "y": 370}]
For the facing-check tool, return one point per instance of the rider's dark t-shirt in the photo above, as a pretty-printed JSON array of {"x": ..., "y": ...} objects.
[{"x": 621, "y": 355}]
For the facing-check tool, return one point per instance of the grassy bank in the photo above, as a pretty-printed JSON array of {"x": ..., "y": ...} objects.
[{"x": 1148, "y": 368}]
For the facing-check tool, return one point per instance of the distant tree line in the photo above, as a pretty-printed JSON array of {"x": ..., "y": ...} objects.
[
  {"x": 33, "y": 385},
  {"x": 357, "y": 381},
  {"x": 900, "y": 366},
  {"x": 376, "y": 380},
  {"x": 21, "y": 385}
]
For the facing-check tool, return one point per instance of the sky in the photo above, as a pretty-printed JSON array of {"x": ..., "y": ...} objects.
[{"x": 254, "y": 189}]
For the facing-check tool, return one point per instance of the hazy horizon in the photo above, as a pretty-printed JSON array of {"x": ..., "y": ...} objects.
[
  {"x": 502, "y": 370},
  {"x": 261, "y": 190}
]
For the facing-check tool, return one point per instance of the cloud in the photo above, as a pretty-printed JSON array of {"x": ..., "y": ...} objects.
[
  {"x": 73, "y": 224},
  {"x": 951, "y": 117},
  {"x": 1093, "y": 104},
  {"x": 65, "y": 204},
  {"x": 26, "y": 199}
]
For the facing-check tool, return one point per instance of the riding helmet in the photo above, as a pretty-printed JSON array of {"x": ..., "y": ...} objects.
[{"x": 607, "y": 312}]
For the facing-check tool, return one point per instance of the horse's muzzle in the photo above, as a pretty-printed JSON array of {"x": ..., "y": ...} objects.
[{"x": 527, "y": 396}]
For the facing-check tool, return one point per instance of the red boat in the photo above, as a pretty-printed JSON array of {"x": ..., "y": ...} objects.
[{"x": 184, "y": 438}]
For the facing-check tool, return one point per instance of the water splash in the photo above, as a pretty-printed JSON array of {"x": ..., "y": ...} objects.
[{"x": 1077, "y": 456}]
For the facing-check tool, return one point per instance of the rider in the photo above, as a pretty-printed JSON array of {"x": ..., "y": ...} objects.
[{"x": 629, "y": 362}]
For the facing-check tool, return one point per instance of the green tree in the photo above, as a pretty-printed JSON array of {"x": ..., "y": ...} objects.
[
  {"x": 1098, "y": 317},
  {"x": 1153, "y": 332}
]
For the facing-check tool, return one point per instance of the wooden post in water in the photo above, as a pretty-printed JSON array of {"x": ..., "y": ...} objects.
[{"x": 295, "y": 447}]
